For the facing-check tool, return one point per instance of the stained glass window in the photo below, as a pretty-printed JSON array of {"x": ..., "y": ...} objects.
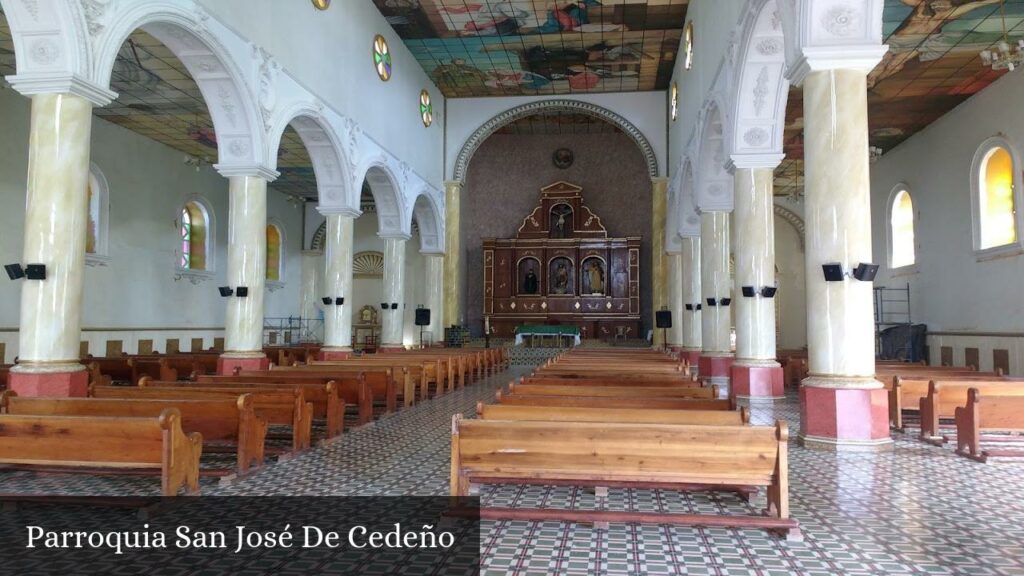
[
  {"x": 901, "y": 222},
  {"x": 273, "y": 253},
  {"x": 673, "y": 105},
  {"x": 688, "y": 43},
  {"x": 92, "y": 232},
  {"x": 996, "y": 210},
  {"x": 426, "y": 109},
  {"x": 186, "y": 239},
  {"x": 193, "y": 236},
  {"x": 382, "y": 57}
]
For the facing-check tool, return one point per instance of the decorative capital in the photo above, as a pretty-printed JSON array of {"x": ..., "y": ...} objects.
[
  {"x": 863, "y": 58},
  {"x": 753, "y": 161},
  {"x": 254, "y": 170},
  {"x": 394, "y": 236},
  {"x": 32, "y": 84},
  {"x": 339, "y": 211}
]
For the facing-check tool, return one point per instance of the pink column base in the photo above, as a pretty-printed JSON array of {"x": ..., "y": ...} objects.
[
  {"x": 844, "y": 418},
  {"x": 757, "y": 381},
  {"x": 227, "y": 365},
  {"x": 691, "y": 357},
  {"x": 50, "y": 385},
  {"x": 335, "y": 354},
  {"x": 715, "y": 366}
]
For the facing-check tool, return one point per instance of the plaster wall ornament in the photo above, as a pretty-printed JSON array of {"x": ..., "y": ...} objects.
[
  {"x": 226, "y": 98},
  {"x": 761, "y": 91},
  {"x": 32, "y": 7},
  {"x": 239, "y": 147},
  {"x": 842, "y": 21},
  {"x": 769, "y": 46},
  {"x": 266, "y": 89},
  {"x": 776, "y": 20},
  {"x": 756, "y": 137},
  {"x": 95, "y": 11},
  {"x": 44, "y": 52}
]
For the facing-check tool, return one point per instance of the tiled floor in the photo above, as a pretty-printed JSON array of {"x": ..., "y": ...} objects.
[{"x": 917, "y": 510}]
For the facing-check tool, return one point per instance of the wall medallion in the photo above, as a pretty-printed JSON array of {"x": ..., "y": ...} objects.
[{"x": 563, "y": 158}]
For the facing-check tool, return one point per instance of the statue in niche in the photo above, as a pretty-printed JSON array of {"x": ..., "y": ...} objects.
[
  {"x": 530, "y": 284},
  {"x": 561, "y": 280},
  {"x": 561, "y": 221},
  {"x": 593, "y": 277}
]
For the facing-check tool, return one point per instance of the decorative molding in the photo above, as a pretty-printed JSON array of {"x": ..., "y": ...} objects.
[
  {"x": 368, "y": 264},
  {"x": 481, "y": 134},
  {"x": 795, "y": 220},
  {"x": 194, "y": 276}
]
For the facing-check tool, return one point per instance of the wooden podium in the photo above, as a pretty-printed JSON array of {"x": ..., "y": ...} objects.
[{"x": 562, "y": 268}]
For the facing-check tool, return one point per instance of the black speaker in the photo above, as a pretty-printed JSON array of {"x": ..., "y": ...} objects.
[
  {"x": 326, "y": 300},
  {"x": 863, "y": 272},
  {"x": 833, "y": 272},
  {"x": 769, "y": 291},
  {"x": 242, "y": 292},
  {"x": 339, "y": 301},
  {"x": 38, "y": 271},
  {"x": 689, "y": 306},
  {"x": 394, "y": 305},
  {"x": 748, "y": 291},
  {"x": 726, "y": 301},
  {"x": 663, "y": 319},
  {"x": 225, "y": 291},
  {"x": 14, "y": 271},
  {"x": 383, "y": 305},
  {"x": 423, "y": 316},
  {"x": 712, "y": 302}
]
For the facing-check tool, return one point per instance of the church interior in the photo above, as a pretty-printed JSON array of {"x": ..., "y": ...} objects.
[{"x": 661, "y": 286}]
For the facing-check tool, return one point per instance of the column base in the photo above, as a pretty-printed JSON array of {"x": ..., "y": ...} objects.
[
  {"x": 691, "y": 357},
  {"x": 49, "y": 384},
  {"x": 715, "y": 366},
  {"x": 227, "y": 365},
  {"x": 340, "y": 354},
  {"x": 758, "y": 382},
  {"x": 844, "y": 419}
]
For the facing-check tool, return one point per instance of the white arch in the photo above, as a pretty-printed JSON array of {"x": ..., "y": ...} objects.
[
  {"x": 713, "y": 183},
  {"x": 761, "y": 89},
  {"x": 199, "y": 42},
  {"x": 387, "y": 197},
  {"x": 330, "y": 164},
  {"x": 49, "y": 40},
  {"x": 427, "y": 212},
  {"x": 689, "y": 219}
]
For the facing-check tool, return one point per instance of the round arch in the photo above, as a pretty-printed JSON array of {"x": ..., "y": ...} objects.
[
  {"x": 713, "y": 190},
  {"x": 488, "y": 128},
  {"x": 761, "y": 88},
  {"x": 794, "y": 220},
  {"x": 688, "y": 219},
  {"x": 429, "y": 217},
  {"x": 330, "y": 165},
  {"x": 184, "y": 30},
  {"x": 387, "y": 198}
]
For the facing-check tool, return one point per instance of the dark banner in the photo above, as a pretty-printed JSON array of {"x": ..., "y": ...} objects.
[{"x": 240, "y": 535}]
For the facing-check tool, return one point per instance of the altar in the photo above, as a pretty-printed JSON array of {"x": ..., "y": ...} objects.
[{"x": 562, "y": 269}]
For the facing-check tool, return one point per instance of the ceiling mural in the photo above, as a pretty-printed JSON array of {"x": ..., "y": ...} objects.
[
  {"x": 515, "y": 47},
  {"x": 933, "y": 65}
]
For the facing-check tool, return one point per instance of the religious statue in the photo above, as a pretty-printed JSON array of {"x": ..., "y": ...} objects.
[
  {"x": 561, "y": 221},
  {"x": 530, "y": 284},
  {"x": 594, "y": 278},
  {"x": 561, "y": 279}
]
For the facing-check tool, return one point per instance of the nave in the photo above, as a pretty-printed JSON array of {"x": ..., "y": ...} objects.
[{"x": 919, "y": 509}]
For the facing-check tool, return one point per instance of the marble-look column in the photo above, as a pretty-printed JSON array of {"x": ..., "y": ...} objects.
[
  {"x": 842, "y": 405},
  {"x": 55, "y": 228},
  {"x": 675, "y": 299},
  {"x": 435, "y": 295},
  {"x": 309, "y": 297},
  {"x": 453, "y": 265},
  {"x": 659, "y": 277},
  {"x": 394, "y": 294},
  {"x": 338, "y": 253},
  {"x": 716, "y": 355},
  {"x": 247, "y": 266},
  {"x": 755, "y": 374},
  {"x": 691, "y": 294}
]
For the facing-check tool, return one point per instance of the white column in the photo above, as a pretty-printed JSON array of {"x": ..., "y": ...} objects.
[
  {"x": 691, "y": 279},
  {"x": 659, "y": 196},
  {"x": 394, "y": 292},
  {"x": 247, "y": 267},
  {"x": 755, "y": 372},
  {"x": 55, "y": 228},
  {"x": 675, "y": 298},
  {"x": 309, "y": 301},
  {"x": 714, "y": 241},
  {"x": 435, "y": 294},
  {"x": 338, "y": 253},
  {"x": 843, "y": 405},
  {"x": 453, "y": 266}
]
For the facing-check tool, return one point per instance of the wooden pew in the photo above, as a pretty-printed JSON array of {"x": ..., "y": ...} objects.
[
  {"x": 230, "y": 422},
  {"x": 624, "y": 415},
  {"x": 598, "y": 381},
  {"x": 402, "y": 377},
  {"x": 381, "y": 380},
  {"x": 602, "y": 455},
  {"x": 616, "y": 402},
  {"x": 615, "y": 391},
  {"x": 328, "y": 406},
  {"x": 987, "y": 413},
  {"x": 277, "y": 407},
  {"x": 93, "y": 443},
  {"x": 908, "y": 387},
  {"x": 945, "y": 396},
  {"x": 109, "y": 370},
  {"x": 349, "y": 391}
]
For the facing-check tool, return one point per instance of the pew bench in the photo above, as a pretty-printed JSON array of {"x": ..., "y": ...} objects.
[
  {"x": 351, "y": 390},
  {"x": 615, "y": 391},
  {"x": 945, "y": 396},
  {"x": 739, "y": 417},
  {"x": 616, "y": 402},
  {"x": 988, "y": 413},
  {"x": 92, "y": 444}
]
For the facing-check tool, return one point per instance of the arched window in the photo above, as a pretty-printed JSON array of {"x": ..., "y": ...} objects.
[
  {"x": 995, "y": 195},
  {"x": 97, "y": 195},
  {"x": 274, "y": 259},
  {"x": 901, "y": 229},
  {"x": 194, "y": 236}
]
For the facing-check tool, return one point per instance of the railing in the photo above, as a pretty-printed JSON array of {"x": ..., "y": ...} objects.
[{"x": 292, "y": 331}]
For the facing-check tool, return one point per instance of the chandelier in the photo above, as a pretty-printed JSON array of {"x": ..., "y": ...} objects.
[{"x": 1005, "y": 56}]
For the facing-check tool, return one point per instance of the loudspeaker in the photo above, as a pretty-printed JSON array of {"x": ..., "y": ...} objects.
[
  {"x": 225, "y": 291},
  {"x": 863, "y": 272},
  {"x": 663, "y": 319},
  {"x": 423, "y": 316},
  {"x": 689, "y": 306},
  {"x": 712, "y": 302},
  {"x": 833, "y": 272},
  {"x": 769, "y": 291},
  {"x": 326, "y": 300},
  {"x": 14, "y": 271},
  {"x": 383, "y": 305},
  {"x": 38, "y": 271},
  {"x": 726, "y": 301},
  {"x": 394, "y": 305},
  {"x": 748, "y": 291},
  {"x": 242, "y": 292},
  {"x": 339, "y": 301}
]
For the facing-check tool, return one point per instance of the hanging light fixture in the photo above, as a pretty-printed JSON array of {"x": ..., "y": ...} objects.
[{"x": 1005, "y": 56}]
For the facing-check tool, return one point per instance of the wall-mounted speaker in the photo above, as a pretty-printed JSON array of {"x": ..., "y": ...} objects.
[
  {"x": 225, "y": 291},
  {"x": 38, "y": 271},
  {"x": 242, "y": 292},
  {"x": 663, "y": 319},
  {"x": 326, "y": 300},
  {"x": 748, "y": 291},
  {"x": 423, "y": 316},
  {"x": 833, "y": 272}
]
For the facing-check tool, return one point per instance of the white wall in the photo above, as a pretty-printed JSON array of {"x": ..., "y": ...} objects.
[
  {"x": 645, "y": 110},
  {"x": 135, "y": 295},
  {"x": 952, "y": 289},
  {"x": 791, "y": 300},
  {"x": 330, "y": 53}
]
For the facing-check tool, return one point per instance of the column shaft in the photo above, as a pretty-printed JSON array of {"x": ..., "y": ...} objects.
[
  {"x": 435, "y": 295},
  {"x": 453, "y": 255},
  {"x": 247, "y": 266},
  {"x": 842, "y": 404},
  {"x": 394, "y": 293},
  {"x": 338, "y": 255},
  {"x": 675, "y": 298},
  {"x": 691, "y": 320},
  {"x": 55, "y": 228},
  {"x": 309, "y": 301},
  {"x": 716, "y": 357},
  {"x": 659, "y": 277},
  {"x": 755, "y": 373}
]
